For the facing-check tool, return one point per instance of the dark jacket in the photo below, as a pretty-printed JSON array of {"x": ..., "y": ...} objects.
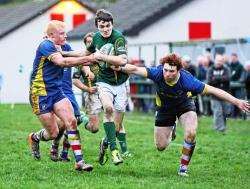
[
  {"x": 219, "y": 77},
  {"x": 236, "y": 71}
]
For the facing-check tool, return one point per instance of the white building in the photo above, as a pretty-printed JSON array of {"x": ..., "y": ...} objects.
[{"x": 21, "y": 30}]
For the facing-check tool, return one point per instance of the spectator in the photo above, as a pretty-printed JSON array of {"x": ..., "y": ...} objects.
[
  {"x": 187, "y": 65},
  {"x": 203, "y": 65},
  {"x": 236, "y": 73},
  {"x": 246, "y": 78},
  {"x": 219, "y": 76}
]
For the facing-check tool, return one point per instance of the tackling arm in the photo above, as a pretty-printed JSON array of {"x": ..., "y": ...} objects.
[
  {"x": 59, "y": 60},
  {"x": 132, "y": 69}
]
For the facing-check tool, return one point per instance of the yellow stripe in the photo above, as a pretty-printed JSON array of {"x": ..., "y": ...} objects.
[
  {"x": 35, "y": 104},
  {"x": 38, "y": 85},
  {"x": 205, "y": 90},
  {"x": 158, "y": 100}
]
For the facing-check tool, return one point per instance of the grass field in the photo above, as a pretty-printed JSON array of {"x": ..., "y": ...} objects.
[{"x": 219, "y": 161}]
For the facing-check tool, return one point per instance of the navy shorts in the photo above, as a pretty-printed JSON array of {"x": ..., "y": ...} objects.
[
  {"x": 45, "y": 104},
  {"x": 167, "y": 117}
]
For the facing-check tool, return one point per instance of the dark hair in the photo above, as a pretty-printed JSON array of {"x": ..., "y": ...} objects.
[
  {"x": 173, "y": 60},
  {"x": 234, "y": 54},
  {"x": 103, "y": 15},
  {"x": 90, "y": 34}
]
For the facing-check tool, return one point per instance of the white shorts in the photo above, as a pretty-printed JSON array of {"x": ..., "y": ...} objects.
[
  {"x": 117, "y": 94},
  {"x": 93, "y": 104}
]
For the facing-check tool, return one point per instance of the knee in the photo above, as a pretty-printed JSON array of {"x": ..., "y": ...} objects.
[
  {"x": 191, "y": 135},
  {"x": 161, "y": 146},
  {"x": 72, "y": 123},
  {"x": 109, "y": 110},
  {"x": 53, "y": 133}
]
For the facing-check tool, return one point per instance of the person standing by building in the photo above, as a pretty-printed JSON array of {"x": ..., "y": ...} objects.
[
  {"x": 236, "y": 73},
  {"x": 219, "y": 76}
]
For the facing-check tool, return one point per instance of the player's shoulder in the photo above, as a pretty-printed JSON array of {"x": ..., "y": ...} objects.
[
  {"x": 117, "y": 33},
  {"x": 185, "y": 74},
  {"x": 66, "y": 47},
  {"x": 155, "y": 72},
  {"x": 46, "y": 44}
]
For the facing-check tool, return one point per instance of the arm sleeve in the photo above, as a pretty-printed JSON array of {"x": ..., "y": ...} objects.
[
  {"x": 154, "y": 73},
  {"x": 194, "y": 85},
  {"x": 47, "y": 49}
]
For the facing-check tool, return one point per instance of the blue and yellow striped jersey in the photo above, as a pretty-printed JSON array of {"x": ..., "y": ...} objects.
[
  {"x": 172, "y": 95},
  {"x": 46, "y": 77}
]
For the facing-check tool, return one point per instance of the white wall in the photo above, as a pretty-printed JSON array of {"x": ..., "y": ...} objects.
[
  {"x": 229, "y": 19},
  {"x": 18, "y": 48}
]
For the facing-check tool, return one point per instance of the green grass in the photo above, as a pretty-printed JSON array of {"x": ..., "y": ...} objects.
[{"x": 219, "y": 161}]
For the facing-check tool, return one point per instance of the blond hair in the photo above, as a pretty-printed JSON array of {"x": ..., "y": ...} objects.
[{"x": 52, "y": 26}]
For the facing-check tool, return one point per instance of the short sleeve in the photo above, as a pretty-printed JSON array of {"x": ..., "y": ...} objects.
[
  {"x": 47, "y": 48},
  {"x": 192, "y": 84},
  {"x": 155, "y": 73}
]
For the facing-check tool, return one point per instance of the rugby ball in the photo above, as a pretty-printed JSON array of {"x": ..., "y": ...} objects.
[{"x": 109, "y": 50}]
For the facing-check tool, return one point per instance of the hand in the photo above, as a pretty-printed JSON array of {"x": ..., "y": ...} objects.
[
  {"x": 116, "y": 68},
  {"x": 90, "y": 75},
  {"x": 92, "y": 90},
  {"x": 243, "y": 105},
  {"x": 98, "y": 56}
]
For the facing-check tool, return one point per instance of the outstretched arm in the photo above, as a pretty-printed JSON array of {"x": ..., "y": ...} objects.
[
  {"x": 223, "y": 95},
  {"x": 132, "y": 69}
]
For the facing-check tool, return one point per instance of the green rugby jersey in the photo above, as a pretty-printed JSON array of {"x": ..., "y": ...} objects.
[
  {"x": 106, "y": 74},
  {"x": 79, "y": 74}
]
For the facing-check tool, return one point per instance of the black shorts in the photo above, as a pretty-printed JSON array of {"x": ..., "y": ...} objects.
[{"x": 167, "y": 116}]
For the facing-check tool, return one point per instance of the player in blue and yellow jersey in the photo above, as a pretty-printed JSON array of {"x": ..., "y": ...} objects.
[
  {"x": 172, "y": 100},
  {"x": 47, "y": 99}
]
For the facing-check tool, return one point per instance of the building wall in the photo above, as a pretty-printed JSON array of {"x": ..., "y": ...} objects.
[
  {"x": 229, "y": 19},
  {"x": 18, "y": 51}
]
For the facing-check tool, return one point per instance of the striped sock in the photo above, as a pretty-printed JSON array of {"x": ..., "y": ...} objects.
[
  {"x": 187, "y": 151},
  {"x": 74, "y": 141},
  {"x": 66, "y": 146},
  {"x": 40, "y": 136}
]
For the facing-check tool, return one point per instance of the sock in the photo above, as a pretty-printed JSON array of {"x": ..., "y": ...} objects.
[
  {"x": 109, "y": 128},
  {"x": 122, "y": 141},
  {"x": 74, "y": 141},
  {"x": 66, "y": 146},
  {"x": 41, "y": 136},
  {"x": 187, "y": 151}
]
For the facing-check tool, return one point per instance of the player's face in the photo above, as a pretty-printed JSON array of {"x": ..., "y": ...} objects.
[
  {"x": 170, "y": 72},
  {"x": 59, "y": 36},
  {"x": 105, "y": 28}
]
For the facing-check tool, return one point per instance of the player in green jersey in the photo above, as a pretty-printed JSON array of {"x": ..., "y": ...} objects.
[{"x": 111, "y": 84}]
